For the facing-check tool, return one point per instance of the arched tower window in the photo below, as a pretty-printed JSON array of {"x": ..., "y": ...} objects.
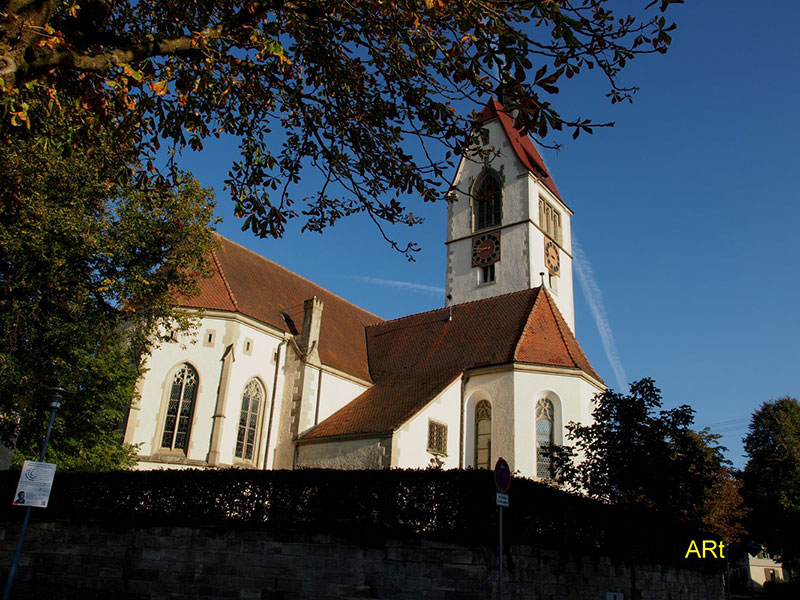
[
  {"x": 483, "y": 434},
  {"x": 487, "y": 202},
  {"x": 544, "y": 438},
  {"x": 252, "y": 400},
  {"x": 180, "y": 408}
]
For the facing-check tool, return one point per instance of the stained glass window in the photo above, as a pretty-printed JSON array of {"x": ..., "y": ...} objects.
[
  {"x": 544, "y": 438},
  {"x": 179, "y": 410},
  {"x": 483, "y": 434},
  {"x": 252, "y": 399}
]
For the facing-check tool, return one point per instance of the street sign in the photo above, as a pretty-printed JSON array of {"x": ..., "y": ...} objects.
[
  {"x": 502, "y": 499},
  {"x": 34, "y": 485},
  {"x": 502, "y": 475}
]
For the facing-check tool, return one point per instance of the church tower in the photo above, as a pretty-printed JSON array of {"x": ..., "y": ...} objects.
[{"x": 506, "y": 222}]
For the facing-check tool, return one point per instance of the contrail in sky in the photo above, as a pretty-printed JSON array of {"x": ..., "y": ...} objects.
[
  {"x": 594, "y": 297},
  {"x": 407, "y": 285}
]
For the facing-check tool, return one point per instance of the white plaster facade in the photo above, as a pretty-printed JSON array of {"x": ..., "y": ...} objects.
[{"x": 227, "y": 351}]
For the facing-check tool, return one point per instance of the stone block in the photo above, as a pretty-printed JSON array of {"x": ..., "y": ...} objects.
[
  {"x": 289, "y": 586},
  {"x": 461, "y": 556},
  {"x": 350, "y": 552}
]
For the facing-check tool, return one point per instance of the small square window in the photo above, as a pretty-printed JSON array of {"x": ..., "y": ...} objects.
[
  {"x": 437, "y": 438},
  {"x": 248, "y": 346},
  {"x": 208, "y": 337},
  {"x": 487, "y": 274}
]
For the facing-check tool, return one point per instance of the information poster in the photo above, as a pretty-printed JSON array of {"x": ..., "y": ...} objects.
[{"x": 34, "y": 484}]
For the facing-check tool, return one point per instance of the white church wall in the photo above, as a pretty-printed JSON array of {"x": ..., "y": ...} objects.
[
  {"x": 146, "y": 423},
  {"x": 258, "y": 364},
  {"x": 410, "y": 441},
  {"x": 361, "y": 453},
  {"x": 496, "y": 386},
  {"x": 213, "y": 336},
  {"x": 562, "y": 291},
  {"x": 337, "y": 391},
  {"x": 463, "y": 278},
  {"x": 571, "y": 396}
]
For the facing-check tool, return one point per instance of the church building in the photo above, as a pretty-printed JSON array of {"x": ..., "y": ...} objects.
[{"x": 285, "y": 374}]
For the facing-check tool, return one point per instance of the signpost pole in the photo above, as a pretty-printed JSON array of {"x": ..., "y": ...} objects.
[
  {"x": 55, "y": 404},
  {"x": 502, "y": 479},
  {"x": 500, "y": 560}
]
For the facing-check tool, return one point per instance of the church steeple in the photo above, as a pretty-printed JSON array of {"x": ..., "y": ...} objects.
[{"x": 506, "y": 221}]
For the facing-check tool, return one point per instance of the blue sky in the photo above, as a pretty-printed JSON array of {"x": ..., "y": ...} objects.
[{"x": 686, "y": 210}]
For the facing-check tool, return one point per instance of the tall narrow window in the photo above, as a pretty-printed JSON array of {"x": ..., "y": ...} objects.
[
  {"x": 550, "y": 220},
  {"x": 180, "y": 408},
  {"x": 544, "y": 438},
  {"x": 252, "y": 399},
  {"x": 487, "y": 274},
  {"x": 487, "y": 204},
  {"x": 483, "y": 434}
]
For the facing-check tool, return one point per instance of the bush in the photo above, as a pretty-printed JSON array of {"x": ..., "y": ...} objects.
[{"x": 455, "y": 506}]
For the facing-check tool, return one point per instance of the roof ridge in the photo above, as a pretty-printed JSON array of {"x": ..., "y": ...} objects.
[
  {"x": 524, "y": 330},
  {"x": 245, "y": 248},
  {"x": 559, "y": 318},
  {"x": 227, "y": 285}
]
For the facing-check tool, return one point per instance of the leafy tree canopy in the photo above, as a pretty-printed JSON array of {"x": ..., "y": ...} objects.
[
  {"x": 635, "y": 453},
  {"x": 341, "y": 89},
  {"x": 772, "y": 478},
  {"x": 88, "y": 267}
]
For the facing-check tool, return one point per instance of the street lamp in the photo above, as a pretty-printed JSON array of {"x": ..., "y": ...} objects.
[{"x": 56, "y": 398}]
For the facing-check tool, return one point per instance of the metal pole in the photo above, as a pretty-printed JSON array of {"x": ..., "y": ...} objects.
[
  {"x": 55, "y": 404},
  {"x": 500, "y": 559}
]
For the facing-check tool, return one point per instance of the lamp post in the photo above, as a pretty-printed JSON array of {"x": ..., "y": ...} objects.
[{"x": 55, "y": 403}]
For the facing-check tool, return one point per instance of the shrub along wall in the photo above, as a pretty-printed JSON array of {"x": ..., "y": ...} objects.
[{"x": 364, "y": 508}]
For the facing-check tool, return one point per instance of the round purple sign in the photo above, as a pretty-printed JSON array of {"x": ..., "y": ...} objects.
[{"x": 502, "y": 474}]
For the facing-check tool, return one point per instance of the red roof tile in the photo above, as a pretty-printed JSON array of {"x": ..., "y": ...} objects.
[
  {"x": 522, "y": 144},
  {"x": 248, "y": 283},
  {"x": 415, "y": 358}
]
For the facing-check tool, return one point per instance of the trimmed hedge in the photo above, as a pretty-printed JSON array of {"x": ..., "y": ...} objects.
[{"x": 366, "y": 506}]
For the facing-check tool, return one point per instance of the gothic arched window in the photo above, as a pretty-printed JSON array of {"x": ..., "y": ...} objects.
[
  {"x": 544, "y": 438},
  {"x": 483, "y": 434},
  {"x": 487, "y": 202},
  {"x": 252, "y": 400},
  {"x": 179, "y": 409}
]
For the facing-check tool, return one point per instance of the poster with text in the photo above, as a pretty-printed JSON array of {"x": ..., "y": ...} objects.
[{"x": 34, "y": 484}]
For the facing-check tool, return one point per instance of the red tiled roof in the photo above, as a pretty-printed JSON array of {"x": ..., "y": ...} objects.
[
  {"x": 415, "y": 358},
  {"x": 522, "y": 144},
  {"x": 248, "y": 283}
]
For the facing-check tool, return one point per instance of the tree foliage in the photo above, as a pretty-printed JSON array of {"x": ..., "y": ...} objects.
[
  {"x": 635, "y": 453},
  {"x": 339, "y": 89},
  {"x": 88, "y": 267},
  {"x": 772, "y": 478}
]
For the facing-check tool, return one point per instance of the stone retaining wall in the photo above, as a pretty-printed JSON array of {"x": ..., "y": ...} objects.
[{"x": 171, "y": 563}]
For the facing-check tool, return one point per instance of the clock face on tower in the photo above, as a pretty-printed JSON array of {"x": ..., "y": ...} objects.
[
  {"x": 551, "y": 257},
  {"x": 485, "y": 249}
]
